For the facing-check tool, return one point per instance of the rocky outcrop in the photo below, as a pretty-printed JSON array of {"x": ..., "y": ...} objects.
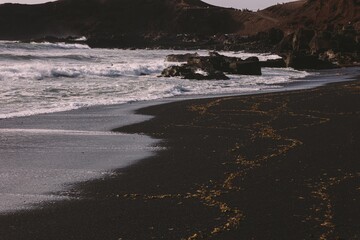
[
  {"x": 215, "y": 65},
  {"x": 307, "y": 61},
  {"x": 212, "y": 67},
  {"x": 273, "y": 63},
  {"x": 180, "y": 57},
  {"x": 187, "y": 71},
  {"x": 249, "y": 66},
  {"x": 320, "y": 34},
  {"x": 319, "y": 49},
  {"x": 231, "y": 65}
]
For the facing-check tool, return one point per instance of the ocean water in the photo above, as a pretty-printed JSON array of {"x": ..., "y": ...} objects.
[
  {"x": 43, "y": 156},
  {"x": 45, "y": 77}
]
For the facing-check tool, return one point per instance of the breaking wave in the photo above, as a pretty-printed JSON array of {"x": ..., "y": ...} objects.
[
  {"x": 51, "y": 77},
  {"x": 60, "y": 45},
  {"x": 48, "y": 71}
]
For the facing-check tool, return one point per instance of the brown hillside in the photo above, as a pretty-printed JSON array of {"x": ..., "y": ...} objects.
[{"x": 316, "y": 14}]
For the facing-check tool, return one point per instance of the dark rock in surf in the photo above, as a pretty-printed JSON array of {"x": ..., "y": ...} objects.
[
  {"x": 213, "y": 67},
  {"x": 232, "y": 65},
  {"x": 303, "y": 61},
  {"x": 249, "y": 66},
  {"x": 190, "y": 72},
  {"x": 180, "y": 57},
  {"x": 273, "y": 63}
]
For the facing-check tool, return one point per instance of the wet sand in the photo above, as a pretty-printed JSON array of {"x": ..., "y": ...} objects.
[
  {"x": 42, "y": 156},
  {"x": 270, "y": 166}
]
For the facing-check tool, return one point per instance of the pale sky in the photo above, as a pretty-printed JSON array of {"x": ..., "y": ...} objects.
[{"x": 250, "y": 4}]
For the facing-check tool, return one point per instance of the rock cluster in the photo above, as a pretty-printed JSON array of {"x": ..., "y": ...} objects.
[
  {"x": 180, "y": 57},
  {"x": 307, "y": 48},
  {"x": 214, "y": 66},
  {"x": 193, "y": 73}
]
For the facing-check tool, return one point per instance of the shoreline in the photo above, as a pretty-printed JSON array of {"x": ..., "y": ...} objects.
[
  {"x": 320, "y": 78},
  {"x": 220, "y": 160},
  {"x": 43, "y": 156}
]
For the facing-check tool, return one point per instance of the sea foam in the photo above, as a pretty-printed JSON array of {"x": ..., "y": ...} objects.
[{"x": 49, "y": 77}]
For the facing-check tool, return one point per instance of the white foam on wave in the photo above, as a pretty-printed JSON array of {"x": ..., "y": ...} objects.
[
  {"x": 36, "y": 111},
  {"x": 8, "y": 42},
  {"x": 241, "y": 54},
  {"x": 60, "y": 45},
  {"x": 42, "y": 70},
  {"x": 81, "y": 39},
  {"x": 66, "y": 95},
  {"x": 244, "y": 55},
  {"x": 42, "y": 45},
  {"x": 51, "y": 79}
]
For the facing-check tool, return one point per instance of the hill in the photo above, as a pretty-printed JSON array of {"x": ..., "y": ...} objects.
[
  {"x": 176, "y": 23},
  {"x": 318, "y": 14},
  {"x": 113, "y": 18}
]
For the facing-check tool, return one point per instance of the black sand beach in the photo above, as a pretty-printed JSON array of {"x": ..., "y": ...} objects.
[{"x": 270, "y": 166}]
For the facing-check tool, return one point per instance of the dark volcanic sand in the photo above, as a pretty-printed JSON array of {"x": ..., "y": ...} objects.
[{"x": 271, "y": 166}]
